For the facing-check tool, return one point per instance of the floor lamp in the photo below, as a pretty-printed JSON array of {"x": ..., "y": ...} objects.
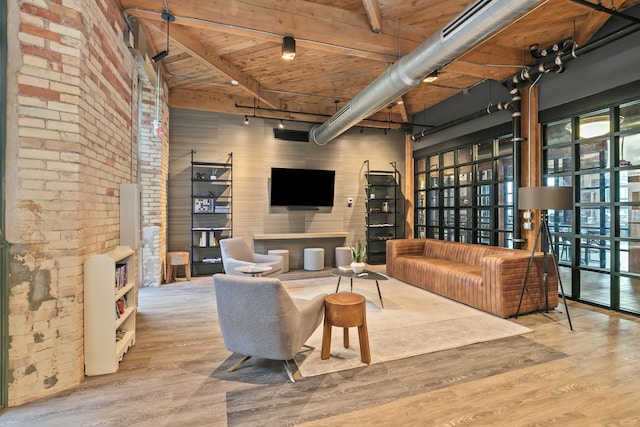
[{"x": 544, "y": 199}]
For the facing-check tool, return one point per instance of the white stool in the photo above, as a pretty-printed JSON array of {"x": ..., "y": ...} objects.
[
  {"x": 343, "y": 256},
  {"x": 313, "y": 258},
  {"x": 285, "y": 257}
]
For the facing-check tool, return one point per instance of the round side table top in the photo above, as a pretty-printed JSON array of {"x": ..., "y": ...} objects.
[{"x": 344, "y": 298}]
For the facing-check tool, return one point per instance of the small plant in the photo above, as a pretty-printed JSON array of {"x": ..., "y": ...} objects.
[{"x": 359, "y": 252}]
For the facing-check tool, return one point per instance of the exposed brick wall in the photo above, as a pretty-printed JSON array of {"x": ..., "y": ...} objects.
[
  {"x": 154, "y": 158},
  {"x": 70, "y": 143}
]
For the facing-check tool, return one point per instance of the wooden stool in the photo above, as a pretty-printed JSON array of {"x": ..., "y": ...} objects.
[
  {"x": 346, "y": 310},
  {"x": 174, "y": 259}
]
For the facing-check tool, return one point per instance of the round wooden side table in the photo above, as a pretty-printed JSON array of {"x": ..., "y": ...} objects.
[{"x": 346, "y": 310}]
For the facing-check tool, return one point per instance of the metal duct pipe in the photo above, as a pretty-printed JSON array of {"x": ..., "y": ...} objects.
[{"x": 473, "y": 24}]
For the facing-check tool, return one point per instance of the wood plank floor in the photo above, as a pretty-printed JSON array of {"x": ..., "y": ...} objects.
[{"x": 176, "y": 374}]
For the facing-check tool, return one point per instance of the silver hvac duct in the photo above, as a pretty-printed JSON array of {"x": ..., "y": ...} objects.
[{"x": 474, "y": 23}]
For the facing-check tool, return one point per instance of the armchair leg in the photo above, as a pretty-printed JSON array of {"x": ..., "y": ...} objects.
[
  {"x": 240, "y": 363},
  {"x": 288, "y": 369}
]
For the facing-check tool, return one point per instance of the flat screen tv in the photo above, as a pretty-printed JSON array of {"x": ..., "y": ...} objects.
[{"x": 302, "y": 187}]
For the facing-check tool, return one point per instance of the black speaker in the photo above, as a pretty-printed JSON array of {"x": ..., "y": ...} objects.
[{"x": 291, "y": 135}]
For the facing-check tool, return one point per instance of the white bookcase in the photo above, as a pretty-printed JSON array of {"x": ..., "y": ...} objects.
[{"x": 110, "y": 303}]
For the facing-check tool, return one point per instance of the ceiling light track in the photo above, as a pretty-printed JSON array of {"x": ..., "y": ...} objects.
[{"x": 304, "y": 113}]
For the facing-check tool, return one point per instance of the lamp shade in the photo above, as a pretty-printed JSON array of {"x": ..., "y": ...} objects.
[{"x": 545, "y": 198}]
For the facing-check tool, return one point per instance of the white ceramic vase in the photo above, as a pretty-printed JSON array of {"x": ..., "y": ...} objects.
[{"x": 358, "y": 267}]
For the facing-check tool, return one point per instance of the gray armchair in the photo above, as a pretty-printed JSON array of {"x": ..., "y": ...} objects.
[
  {"x": 236, "y": 253},
  {"x": 258, "y": 318}
]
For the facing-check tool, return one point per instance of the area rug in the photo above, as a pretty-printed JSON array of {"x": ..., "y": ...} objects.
[{"x": 412, "y": 322}]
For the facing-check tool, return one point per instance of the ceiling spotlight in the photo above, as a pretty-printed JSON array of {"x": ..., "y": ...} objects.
[
  {"x": 246, "y": 120},
  {"x": 431, "y": 77},
  {"x": 281, "y": 125},
  {"x": 159, "y": 57},
  {"x": 288, "y": 47},
  {"x": 234, "y": 82},
  {"x": 167, "y": 17}
]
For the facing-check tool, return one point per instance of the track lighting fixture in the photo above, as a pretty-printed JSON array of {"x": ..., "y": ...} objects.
[
  {"x": 168, "y": 17},
  {"x": 246, "y": 120},
  {"x": 431, "y": 77},
  {"x": 281, "y": 125},
  {"x": 288, "y": 47}
]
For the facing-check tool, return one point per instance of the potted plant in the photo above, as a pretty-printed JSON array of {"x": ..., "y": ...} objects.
[{"x": 358, "y": 254}]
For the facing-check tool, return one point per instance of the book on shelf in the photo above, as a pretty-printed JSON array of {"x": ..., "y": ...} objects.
[
  {"x": 121, "y": 275},
  {"x": 121, "y": 305}
]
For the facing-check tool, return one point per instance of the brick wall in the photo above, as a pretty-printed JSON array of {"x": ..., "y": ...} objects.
[
  {"x": 70, "y": 143},
  {"x": 153, "y": 177}
]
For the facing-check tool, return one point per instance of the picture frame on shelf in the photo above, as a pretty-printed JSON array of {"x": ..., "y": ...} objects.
[{"x": 203, "y": 205}]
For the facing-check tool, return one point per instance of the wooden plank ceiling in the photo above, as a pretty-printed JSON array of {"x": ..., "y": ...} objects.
[{"x": 225, "y": 55}]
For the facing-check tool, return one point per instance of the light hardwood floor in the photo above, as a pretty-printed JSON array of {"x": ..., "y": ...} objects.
[{"x": 176, "y": 374}]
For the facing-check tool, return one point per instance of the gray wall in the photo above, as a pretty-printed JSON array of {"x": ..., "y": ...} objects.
[{"x": 255, "y": 151}]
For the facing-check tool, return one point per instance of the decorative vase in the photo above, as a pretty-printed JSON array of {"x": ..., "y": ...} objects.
[{"x": 358, "y": 267}]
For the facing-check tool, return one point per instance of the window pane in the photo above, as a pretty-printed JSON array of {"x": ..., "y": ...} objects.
[
  {"x": 421, "y": 196},
  {"x": 464, "y": 175},
  {"x": 433, "y": 218},
  {"x": 433, "y": 198},
  {"x": 595, "y": 221},
  {"x": 594, "y": 188},
  {"x": 630, "y": 116},
  {"x": 505, "y": 146},
  {"x": 464, "y": 155},
  {"x": 595, "y": 287},
  {"x": 560, "y": 221},
  {"x": 505, "y": 193},
  {"x": 595, "y": 253},
  {"x": 633, "y": 222},
  {"x": 484, "y": 218},
  {"x": 559, "y": 181},
  {"x": 629, "y": 146},
  {"x": 447, "y": 159},
  {"x": 421, "y": 181},
  {"x": 466, "y": 236},
  {"x": 629, "y": 288},
  {"x": 485, "y": 172},
  {"x": 464, "y": 196},
  {"x": 559, "y": 160},
  {"x": 434, "y": 162},
  {"x": 505, "y": 168},
  {"x": 421, "y": 220},
  {"x": 449, "y": 197},
  {"x": 594, "y": 125},
  {"x": 505, "y": 219},
  {"x": 448, "y": 177},
  {"x": 484, "y": 150},
  {"x": 434, "y": 179},
  {"x": 558, "y": 133},
  {"x": 421, "y": 165},
  {"x": 484, "y": 195},
  {"x": 449, "y": 217},
  {"x": 465, "y": 218},
  {"x": 594, "y": 155}
]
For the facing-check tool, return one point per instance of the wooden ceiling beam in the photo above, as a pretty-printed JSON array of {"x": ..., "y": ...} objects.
[
  {"x": 314, "y": 26},
  {"x": 372, "y": 9},
  {"x": 192, "y": 45}
]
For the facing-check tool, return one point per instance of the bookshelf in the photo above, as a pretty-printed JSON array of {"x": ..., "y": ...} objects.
[
  {"x": 110, "y": 304},
  {"x": 211, "y": 213}
]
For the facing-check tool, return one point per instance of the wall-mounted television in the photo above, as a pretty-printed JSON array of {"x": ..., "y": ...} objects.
[{"x": 302, "y": 187}]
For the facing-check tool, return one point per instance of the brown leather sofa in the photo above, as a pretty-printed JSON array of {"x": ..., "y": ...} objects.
[{"x": 485, "y": 277}]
